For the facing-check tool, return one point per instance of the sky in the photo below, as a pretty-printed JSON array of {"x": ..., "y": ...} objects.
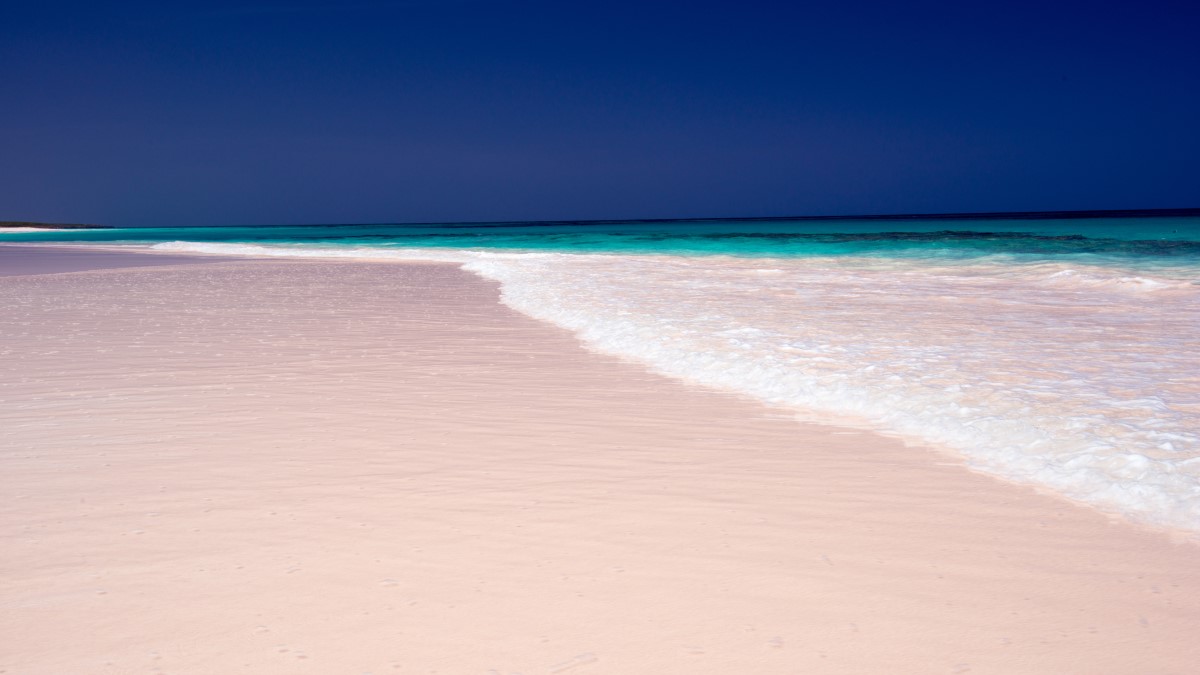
[{"x": 219, "y": 113}]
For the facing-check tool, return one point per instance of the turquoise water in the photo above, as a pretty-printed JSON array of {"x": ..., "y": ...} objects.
[
  {"x": 1164, "y": 241},
  {"x": 1062, "y": 353}
]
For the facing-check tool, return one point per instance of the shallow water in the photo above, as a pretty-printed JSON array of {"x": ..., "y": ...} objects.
[{"x": 1057, "y": 353}]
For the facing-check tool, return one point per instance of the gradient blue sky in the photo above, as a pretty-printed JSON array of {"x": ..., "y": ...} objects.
[{"x": 194, "y": 113}]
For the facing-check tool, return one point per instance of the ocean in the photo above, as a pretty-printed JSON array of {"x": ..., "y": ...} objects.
[{"x": 1062, "y": 353}]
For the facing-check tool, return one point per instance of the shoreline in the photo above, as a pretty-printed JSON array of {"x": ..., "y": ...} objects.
[
  {"x": 72, "y": 257},
  {"x": 390, "y": 468}
]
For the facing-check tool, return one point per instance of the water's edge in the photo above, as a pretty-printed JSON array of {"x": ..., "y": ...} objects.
[{"x": 1073, "y": 372}]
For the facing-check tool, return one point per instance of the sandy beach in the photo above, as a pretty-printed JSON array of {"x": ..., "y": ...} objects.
[
  {"x": 341, "y": 467},
  {"x": 26, "y": 259}
]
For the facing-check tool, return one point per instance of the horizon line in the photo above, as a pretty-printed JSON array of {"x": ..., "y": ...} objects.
[
  {"x": 963, "y": 215},
  {"x": 966, "y": 215}
]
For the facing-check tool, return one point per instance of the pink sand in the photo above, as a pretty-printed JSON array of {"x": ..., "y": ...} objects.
[
  {"x": 25, "y": 259},
  {"x": 281, "y": 467}
]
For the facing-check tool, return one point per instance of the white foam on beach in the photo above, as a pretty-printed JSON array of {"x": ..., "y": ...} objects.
[{"x": 1082, "y": 379}]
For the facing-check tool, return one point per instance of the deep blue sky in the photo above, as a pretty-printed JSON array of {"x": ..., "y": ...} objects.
[{"x": 192, "y": 113}]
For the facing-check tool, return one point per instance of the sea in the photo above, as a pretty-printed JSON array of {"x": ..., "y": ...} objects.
[{"x": 1060, "y": 351}]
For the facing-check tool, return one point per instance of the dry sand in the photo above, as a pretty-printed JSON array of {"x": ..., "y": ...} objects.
[{"x": 306, "y": 467}]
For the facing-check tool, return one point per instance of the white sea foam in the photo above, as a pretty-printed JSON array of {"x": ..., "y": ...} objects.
[{"x": 1083, "y": 379}]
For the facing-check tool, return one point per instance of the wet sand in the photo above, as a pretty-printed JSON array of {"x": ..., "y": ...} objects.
[
  {"x": 26, "y": 260},
  {"x": 308, "y": 467}
]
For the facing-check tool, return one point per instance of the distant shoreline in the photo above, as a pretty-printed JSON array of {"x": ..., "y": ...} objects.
[
  {"x": 977, "y": 215},
  {"x": 52, "y": 226}
]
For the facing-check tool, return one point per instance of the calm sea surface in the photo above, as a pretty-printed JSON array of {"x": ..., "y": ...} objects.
[{"x": 1061, "y": 353}]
